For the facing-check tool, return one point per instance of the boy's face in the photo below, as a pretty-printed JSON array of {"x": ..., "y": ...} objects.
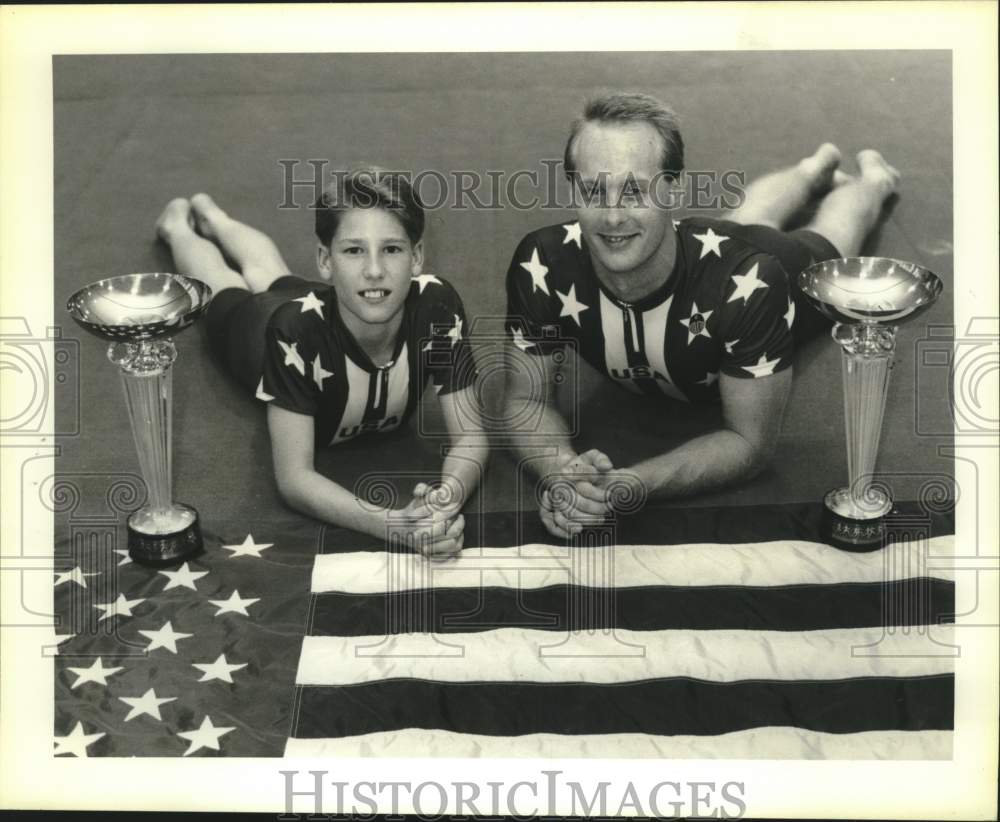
[
  {"x": 626, "y": 219},
  {"x": 370, "y": 261}
]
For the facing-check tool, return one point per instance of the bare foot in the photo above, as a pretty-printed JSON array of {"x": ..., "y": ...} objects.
[
  {"x": 206, "y": 215},
  {"x": 875, "y": 171},
  {"x": 176, "y": 217},
  {"x": 821, "y": 167},
  {"x": 842, "y": 178}
]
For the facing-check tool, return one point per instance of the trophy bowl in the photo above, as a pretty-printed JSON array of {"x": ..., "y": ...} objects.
[
  {"x": 137, "y": 307},
  {"x": 137, "y": 314},
  {"x": 867, "y": 298},
  {"x": 872, "y": 290}
]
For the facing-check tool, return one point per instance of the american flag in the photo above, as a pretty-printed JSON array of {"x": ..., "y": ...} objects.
[{"x": 734, "y": 633}]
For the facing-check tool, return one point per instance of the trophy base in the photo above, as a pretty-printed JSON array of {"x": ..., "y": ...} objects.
[
  {"x": 164, "y": 537},
  {"x": 856, "y": 525}
]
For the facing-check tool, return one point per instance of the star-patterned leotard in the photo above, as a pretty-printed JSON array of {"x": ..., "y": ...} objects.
[
  {"x": 290, "y": 347},
  {"x": 726, "y": 308}
]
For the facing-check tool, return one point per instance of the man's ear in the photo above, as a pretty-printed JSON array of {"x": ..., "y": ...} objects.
[
  {"x": 323, "y": 262},
  {"x": 418, "y": 258}
]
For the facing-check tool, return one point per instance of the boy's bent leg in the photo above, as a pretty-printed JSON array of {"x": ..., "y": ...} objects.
[
  {"x": 849, "y": 212},
  {"x": 253, "y": 251},
  {"x": 194, "y": 256},
  {"x": 773, "y": 199}
]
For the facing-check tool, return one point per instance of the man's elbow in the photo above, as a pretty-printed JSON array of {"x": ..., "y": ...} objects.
[
  {"x": 521, "y": 412},
  {"x": 759, "y": 456}
]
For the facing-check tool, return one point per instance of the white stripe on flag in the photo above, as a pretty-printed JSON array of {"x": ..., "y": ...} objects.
[
  {"x": 628, "y": 566},
  {"x": 530, "y": 655},
  {"x": 756, "y": 743}
]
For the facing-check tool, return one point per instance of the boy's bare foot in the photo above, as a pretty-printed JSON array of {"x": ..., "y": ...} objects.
[
  {"x": 821, "y": 167},
  {"x": 842, "y": 178},
  {"x": 875, "y": 171},
  {"x": 207, "y": 215},
  {"x": 176, "y": 217}
]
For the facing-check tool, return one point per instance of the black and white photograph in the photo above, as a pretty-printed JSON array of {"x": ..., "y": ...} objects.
[{"x": 617, "y": 404}]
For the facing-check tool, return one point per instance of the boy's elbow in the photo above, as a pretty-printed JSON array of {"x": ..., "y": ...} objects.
[{"x": 290, "y": 488}]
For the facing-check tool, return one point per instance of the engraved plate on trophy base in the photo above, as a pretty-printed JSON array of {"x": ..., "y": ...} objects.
[{"x": 856, "y": 526}]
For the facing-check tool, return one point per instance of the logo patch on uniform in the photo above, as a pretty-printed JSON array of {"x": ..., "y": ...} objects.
[
  {"x": 639, "y": 372},
  {"x": 368, "y": 427}
]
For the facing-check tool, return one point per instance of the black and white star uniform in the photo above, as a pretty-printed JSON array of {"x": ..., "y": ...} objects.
[
  {"x": 309, "y": 363},
  {"x": 726, "y": 308}
]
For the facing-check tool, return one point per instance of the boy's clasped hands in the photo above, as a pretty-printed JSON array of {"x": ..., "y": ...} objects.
[{"x": 431, "y": 523}]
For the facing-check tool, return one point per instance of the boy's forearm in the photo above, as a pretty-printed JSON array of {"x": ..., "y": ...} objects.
[
  {"x": 464, "y": 466},
  {"x": 313, "y": 494}
]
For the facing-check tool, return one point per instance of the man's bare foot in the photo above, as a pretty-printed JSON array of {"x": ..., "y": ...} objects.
[
  {"x": 207, "y": 215},
  {"x": 176, "y": 217},
  {"x": 821, "y": 167},
  {"x": 875, "y": 171}
]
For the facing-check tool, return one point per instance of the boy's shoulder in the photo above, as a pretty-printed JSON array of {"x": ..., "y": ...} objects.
[
  {"x": 306, "y": 315},
  {"x": 429, "y": 290}
]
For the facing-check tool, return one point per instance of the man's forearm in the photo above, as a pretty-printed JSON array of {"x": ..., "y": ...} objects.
[
  {"x": 546, "y": 444},
  {"x": 703, "y": 464}
]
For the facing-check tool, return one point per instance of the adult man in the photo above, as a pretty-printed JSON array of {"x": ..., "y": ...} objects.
[{"x": 698, "y": 310}]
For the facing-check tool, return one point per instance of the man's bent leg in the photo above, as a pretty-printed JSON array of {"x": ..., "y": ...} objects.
[
  {"x": 773, "y": 199},
  {"x": 849, "y": 212}
]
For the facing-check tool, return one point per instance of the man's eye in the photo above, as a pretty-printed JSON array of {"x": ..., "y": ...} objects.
[
  {"x": 352, "y": 249},
  {"x": 393, "y": 249}
]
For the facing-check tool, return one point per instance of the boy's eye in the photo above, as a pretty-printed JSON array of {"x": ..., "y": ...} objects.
[
  {"x": 393, "y": 249},
  {"x": 353, "y": 249}
]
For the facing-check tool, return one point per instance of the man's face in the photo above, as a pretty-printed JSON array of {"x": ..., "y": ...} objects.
[{"x": 624, "y": 194}]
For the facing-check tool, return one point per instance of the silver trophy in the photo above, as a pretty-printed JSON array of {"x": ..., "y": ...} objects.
[
  {"x": 137, "y": 314},
  {"x": 867, "y": 297}
]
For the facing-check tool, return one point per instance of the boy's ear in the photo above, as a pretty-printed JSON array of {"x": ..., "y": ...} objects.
[
  {"x": 323, "y": 263},
  {"x": 418, "y": 258}
]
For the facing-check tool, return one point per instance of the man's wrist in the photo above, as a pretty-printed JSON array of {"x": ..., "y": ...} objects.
[
  {"x": 628, "y": 489},
  {"x": 550, "y": 466}
]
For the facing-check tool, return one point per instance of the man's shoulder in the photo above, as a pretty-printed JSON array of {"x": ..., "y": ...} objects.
[
  {"x": 552, "y": 254},
  {"x": 556, "y": 241},
  {"x": 719, "y": 245}
]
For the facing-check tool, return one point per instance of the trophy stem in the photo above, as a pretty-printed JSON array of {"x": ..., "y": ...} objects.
[
  {"x": 866, "y": 359},
  {"x": 148, "y": 398},
  {"x": 162, "y": 531},
  {"x": 866, "y": 383}
]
